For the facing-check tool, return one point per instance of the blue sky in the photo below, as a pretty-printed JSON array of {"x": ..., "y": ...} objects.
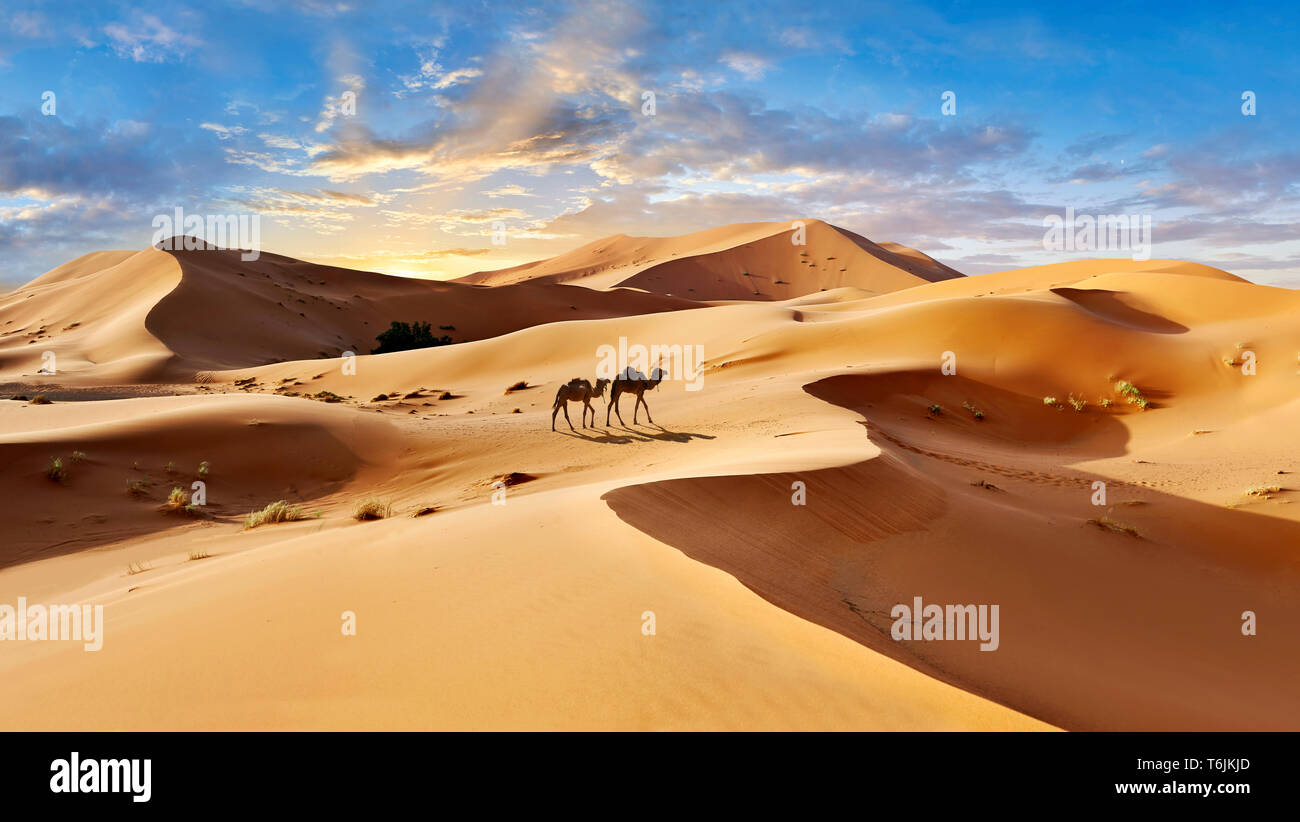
[{"x": 469, "y": 114}]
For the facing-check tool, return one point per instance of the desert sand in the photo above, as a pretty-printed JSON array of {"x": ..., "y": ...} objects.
[{"x": 530, "y": 613}]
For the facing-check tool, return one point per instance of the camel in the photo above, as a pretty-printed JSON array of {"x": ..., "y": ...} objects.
[
  {"x": 577, "y": 390},
  {"x": 632, "y": 381}
]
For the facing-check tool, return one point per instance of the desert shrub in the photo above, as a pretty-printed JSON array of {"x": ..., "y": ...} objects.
[
  {"x": 56, "y": 470},
  {"x": 371, "y": 509},
  {"x": 406, "y": 337},
  {"x": 519, "y": 386},
  {"x": 1263, "y": 491},
  {"x": 278, "y": 511},
  {"x": 975, "y": 412},
  {"x": 41, "y": 399},
  {"x": 1133, "y": 394},
  {"x": 178, "y": 502}
]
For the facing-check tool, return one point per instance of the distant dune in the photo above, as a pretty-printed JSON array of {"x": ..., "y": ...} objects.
[
  {"x": 152, "y": 316},
  {"x": 748, "y": 261}
]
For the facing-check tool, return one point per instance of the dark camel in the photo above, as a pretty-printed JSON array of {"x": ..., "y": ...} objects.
[
  {"x": 577, "y": 390},
  {"x": 633, "y": 382}
]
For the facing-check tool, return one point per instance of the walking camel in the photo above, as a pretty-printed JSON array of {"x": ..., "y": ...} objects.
[
  {"x": 632, "y": 381},
  {"x": 577, "y": 390}
]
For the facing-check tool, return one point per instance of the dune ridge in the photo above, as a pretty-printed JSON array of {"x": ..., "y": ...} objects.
[{"x": 749, "y": 261}]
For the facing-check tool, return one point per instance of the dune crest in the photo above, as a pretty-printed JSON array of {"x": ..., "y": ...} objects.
[{"x": 747, "y": 261}]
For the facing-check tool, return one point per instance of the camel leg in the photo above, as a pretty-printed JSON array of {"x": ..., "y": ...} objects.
[
  {"x": 617, "y": 410},
  {"x": 636, "y": 406},
  {"x": 566, "y": 417},
  {"x": 554, "y": 411},
  {"x": 647, "y": 411},
  {"x": 586, "y": 406}
]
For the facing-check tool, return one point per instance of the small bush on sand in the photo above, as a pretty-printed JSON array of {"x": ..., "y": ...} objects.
[
  {"x": 519, "y": 386},
  {"x": 934, "y": 410},
  {"x": 137, "y": 488},
  {"x": 975, "y": 412},
  {"x": 1263, "y": 491},
  {"x": 404, "y": 337},
  {"x": 198, "y": 554},
  {"x": 371, "y": 509},
  {"x": 204, "y": 468},
  {"x": 1050, "y": 401},
  {"x": 278, "y": 511},
  {"x": 56, "y": 471},
  {"x": 1078, "y": 404},
  {"x": 41, "y": 399},
  {"x": 178, "y": 502},
  {"x": 1133, "y": 394},
  {"x": 77, "y": 456}
]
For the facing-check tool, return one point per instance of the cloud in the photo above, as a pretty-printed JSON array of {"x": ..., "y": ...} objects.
[
  {"x": 344, "y": 105},
  {"x": 1091, "y": 145},
  {"x": 508, "y": 191},
  {"x": 433, "y": 77},
  {"x": 29, "y": 24},
  {"x": 223, "y": 132},
  {"x": 749, "y": 66},
  {"x": 146, "y": 39}
]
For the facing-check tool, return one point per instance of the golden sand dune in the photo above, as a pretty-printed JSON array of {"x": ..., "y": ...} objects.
[
  {"x": 156, "y": 316},
  {"x": 751, "y": 261},
  {"x": 532, "y": 613}
]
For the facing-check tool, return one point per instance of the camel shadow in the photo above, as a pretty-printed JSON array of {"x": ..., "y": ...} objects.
[
  {"x": 666, "y": 435},
  {"x": 601, "y": 438},
  {"x": 612, "y": 435}
]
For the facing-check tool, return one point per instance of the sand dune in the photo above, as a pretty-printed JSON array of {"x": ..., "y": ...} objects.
[
  {"x": 750, "y": 261},
  {"x": 530, "y": 614},
  {"x": 158, "y": 316}
]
